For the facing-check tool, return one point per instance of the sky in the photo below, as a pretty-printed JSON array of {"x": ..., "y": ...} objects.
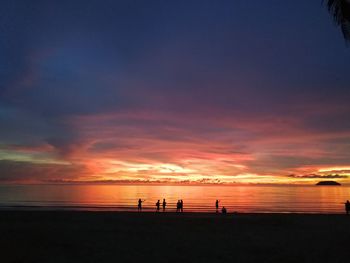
[{"x": 214, "y": 92}]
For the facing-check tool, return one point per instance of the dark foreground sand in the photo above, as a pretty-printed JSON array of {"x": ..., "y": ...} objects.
[{"x": 148, "y": 237}]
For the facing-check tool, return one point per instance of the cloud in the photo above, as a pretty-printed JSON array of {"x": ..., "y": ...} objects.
[
  {"x": 137, "y": 145},
  {"x": 319, "y": 176},
  {"x": 24, "y": 172}
]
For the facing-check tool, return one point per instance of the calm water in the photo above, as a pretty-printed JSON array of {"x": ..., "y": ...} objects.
[{"x": 306, "y": 199}]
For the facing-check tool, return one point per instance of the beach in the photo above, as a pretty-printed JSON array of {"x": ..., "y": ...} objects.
[{"x": 83, "y": 236}]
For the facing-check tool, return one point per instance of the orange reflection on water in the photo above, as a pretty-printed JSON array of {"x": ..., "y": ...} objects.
[{"x": 320, "y": 199}]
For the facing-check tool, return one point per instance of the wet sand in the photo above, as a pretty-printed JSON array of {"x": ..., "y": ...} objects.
[{"x": 67, "y": 236}]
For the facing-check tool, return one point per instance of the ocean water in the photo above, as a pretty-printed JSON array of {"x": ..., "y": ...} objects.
[{"x": 242, "y": 199}]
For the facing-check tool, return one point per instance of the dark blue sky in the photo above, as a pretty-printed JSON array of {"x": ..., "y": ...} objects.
[{"x": 265, "y": 79}]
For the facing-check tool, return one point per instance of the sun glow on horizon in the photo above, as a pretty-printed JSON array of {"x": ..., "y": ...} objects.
[{"x": 205, "y": 169}]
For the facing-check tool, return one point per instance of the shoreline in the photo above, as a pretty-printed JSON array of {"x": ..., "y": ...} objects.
[{"x": 98, "y": 209}]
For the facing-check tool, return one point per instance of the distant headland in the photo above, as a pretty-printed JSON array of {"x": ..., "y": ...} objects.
[{"x": 328, "y": 183}]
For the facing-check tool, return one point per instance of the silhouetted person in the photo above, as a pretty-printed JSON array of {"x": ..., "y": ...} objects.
[
  {"x": 217, "y": 206},
  {"x": 178, "y": 206},
  {"x": 223, "y": 210},
  {"x": 347, "y": 207},
  {"x": 181, "y": 205},
  {"x": 139, "y": 205},
  {"x": 164, "y": 205},
  {"x": 158, "y": 206}
]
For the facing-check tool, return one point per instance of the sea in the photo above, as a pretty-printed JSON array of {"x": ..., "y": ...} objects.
[{"x": 198, "y": 198}]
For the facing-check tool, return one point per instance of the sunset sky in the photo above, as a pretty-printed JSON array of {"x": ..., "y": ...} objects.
[{"x": 173, "y": 92}]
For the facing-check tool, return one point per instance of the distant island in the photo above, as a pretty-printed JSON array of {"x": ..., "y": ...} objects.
[{"x": 328, "y": 183}]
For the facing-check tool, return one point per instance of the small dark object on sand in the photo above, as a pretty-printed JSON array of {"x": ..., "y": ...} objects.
[{"x": 224, "y": 210}]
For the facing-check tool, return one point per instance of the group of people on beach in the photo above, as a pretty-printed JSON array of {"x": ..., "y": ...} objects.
[
  {"x": 139, "y": 205},
  {"x": 223, "y": 209},
  {"x": 179, "y": 206},
  {"x": 158, "y": 205}
]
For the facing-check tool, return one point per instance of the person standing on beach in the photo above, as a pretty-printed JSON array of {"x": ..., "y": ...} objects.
[
  {"x": 347, "y": 207},
  {"x": 178, "y": 206},
  {"x": 181, "y": 205},
  {"x": 158, "y": 206},
  {"x": 139, "y": 205},
  {"x": 164, "y": 205},
  {"x": 217, "y": 206}
]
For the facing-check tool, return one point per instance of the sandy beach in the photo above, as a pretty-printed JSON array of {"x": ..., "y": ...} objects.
[{"x": 71, "y": 236}]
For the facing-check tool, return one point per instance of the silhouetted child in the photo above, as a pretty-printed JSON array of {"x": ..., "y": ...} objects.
[
  {"x": 217, "y": 206},
  {"x": 158, "y": 206},
  {"x": 164, "y": 205},
  {"x": 347, "y": 207},
  {"x": 139, "y": 205},
  {"x": 223, "y": 210}
]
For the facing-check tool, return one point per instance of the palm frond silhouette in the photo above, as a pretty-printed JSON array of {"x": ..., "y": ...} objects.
[{"x": 340, "y": 11}]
